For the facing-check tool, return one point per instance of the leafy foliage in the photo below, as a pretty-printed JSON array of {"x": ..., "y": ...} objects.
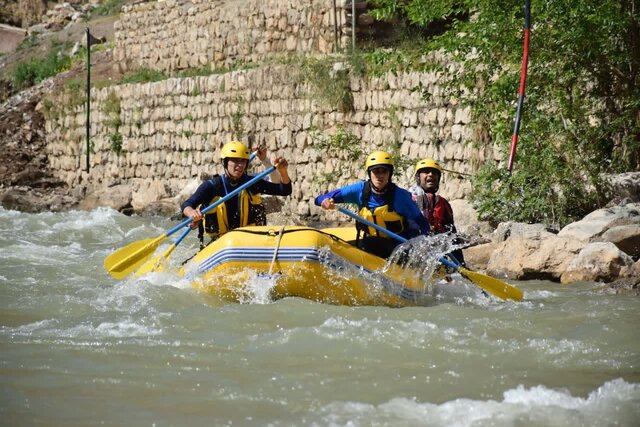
[
  {"x": 581, "y": 111},
  {"x": 420, "y": 12},
  {"x": 37, "y": 69}
]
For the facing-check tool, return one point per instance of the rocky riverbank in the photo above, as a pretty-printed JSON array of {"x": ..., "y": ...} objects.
[{"x": 604, "y": 246}]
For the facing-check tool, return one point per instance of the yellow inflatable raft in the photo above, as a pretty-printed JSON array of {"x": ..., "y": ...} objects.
[{"x": 293, "y": 261}]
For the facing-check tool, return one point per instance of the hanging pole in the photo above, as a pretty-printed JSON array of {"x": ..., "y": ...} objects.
[
  {"x": 88, "y": 118},
  {"x": 335, "y": 26},
  {"x": 353, "y": 25},
  {"x": 523, "y": 81}
]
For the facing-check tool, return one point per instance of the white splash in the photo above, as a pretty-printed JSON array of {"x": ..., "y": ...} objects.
[{"x": 614, "y": 403}]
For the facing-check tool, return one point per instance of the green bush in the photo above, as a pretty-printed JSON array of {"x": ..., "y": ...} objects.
[{"x": 35, "y": 70}]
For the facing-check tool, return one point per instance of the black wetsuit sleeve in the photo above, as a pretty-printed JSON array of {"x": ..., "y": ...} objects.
[
  {"x": 203, "y": 195},
  {"x": 266, "y": 187}
]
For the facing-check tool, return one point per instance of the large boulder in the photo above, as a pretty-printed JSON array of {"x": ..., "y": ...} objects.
[
  {"x": 597, "y": 262},
  {"x": 466, "y": 219},
  {"x": 626, "y": 186},
  {"x": 28, "y": 199},
  {"x": 187, "y": 191},
  {"x": 632, "y": 272},
  {"x": 593, "y": 226},
  {"x": 148, "y": 192},
  {"x": 527, "y": 252},
  {"x": 117, "y": 197},
  {"x": 629, "y": 281},
  {"x": 518, "y": 230},
  {"x": 477, "y": 257},
  {"x": 165, "y": 207},
  {"x": 626, "y": 238}
]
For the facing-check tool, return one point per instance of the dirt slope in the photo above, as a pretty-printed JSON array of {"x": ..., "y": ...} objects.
[{"x": 26, "y": 184}]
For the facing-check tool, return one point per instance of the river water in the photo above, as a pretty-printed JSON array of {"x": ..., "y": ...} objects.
[{"x": 78, "y": 348}]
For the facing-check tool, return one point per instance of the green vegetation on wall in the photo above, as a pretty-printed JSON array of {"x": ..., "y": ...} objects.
[
  {"x": 237, "y": 126},
  {"x": 329, "y": 82},
  {"x": 342, "y": 144},
  {"x": 111, "y": 107},
  {"x": 349, "y": 148},
  {"x": 143, "y": 75},
  {"x": 67, "y": 100}
]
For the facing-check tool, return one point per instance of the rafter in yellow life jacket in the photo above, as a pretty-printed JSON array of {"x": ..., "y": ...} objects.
[
  {"x": 383, "y": 216},
  {"x": 250, "y": 209}
]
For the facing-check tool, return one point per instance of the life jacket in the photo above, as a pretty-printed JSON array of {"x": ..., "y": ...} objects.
[
  {"x": 250, "y": 209},
  {"x": 383, "y": 216},
  {"x": 437, "y": 211}
]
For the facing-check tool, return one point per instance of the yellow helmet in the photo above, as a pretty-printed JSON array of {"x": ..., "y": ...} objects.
[
  {"x": 235, "y": 149},
  {"x": 428, "y": 163},
  {"x": 379, "y": 158}
]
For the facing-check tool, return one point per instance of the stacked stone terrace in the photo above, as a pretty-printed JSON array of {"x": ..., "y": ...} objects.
[
  {"x": 172, "y": 130},
  {"x": 179, "y": 34}
]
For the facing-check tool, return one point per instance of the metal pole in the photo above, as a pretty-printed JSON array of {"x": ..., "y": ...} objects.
[
  {"x": 353, "y": 25},
  {"x": 88, "y": 119},
  {"x": 335, "y": 25},
  {"x": 523, "y": 81}
]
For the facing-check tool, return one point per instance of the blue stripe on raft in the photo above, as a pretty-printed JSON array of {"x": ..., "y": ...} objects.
[
  {"x": 301, "y": 254},
  {"x": 257, "y": 254}
]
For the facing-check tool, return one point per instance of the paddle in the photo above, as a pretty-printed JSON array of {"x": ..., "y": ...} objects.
[
  {"x": 156, "y": 263},
  {"x": 125, "y": 260},
  {"x": 489, "y": 284}
]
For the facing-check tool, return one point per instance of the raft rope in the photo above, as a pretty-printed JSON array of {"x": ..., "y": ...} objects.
[
  {"x": 270, "y": 232},
  {"x": 275, "y": 251}
]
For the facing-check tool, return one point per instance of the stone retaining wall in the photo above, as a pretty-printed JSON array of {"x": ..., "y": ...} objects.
[
  {"x": 172, "y": 132},
  {"x": 179, "y": 34}
]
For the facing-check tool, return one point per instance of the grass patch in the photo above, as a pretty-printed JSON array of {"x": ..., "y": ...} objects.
[
  {"x": 143, "y": 75},
  {"x": 106, "y": 8}
]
